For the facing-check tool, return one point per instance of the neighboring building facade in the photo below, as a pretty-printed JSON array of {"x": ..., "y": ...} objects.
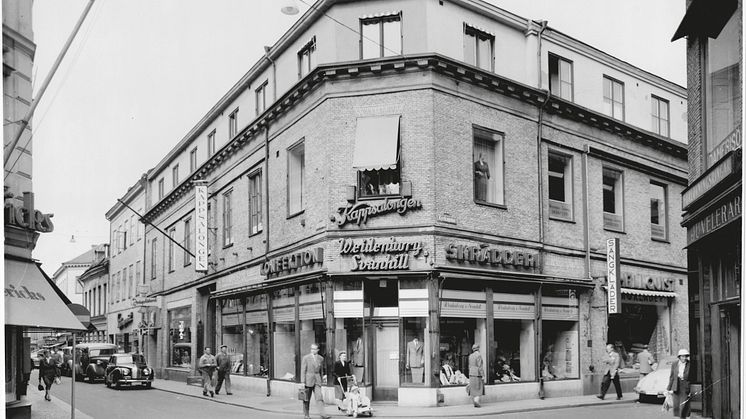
[
  {"x": 67, "y": 276},
  {"x": 126, "y": 268},
  {"x": 95, "y": 282},
  {"x": 712, "y": 203},
  {"x": 454, "y": 182}
]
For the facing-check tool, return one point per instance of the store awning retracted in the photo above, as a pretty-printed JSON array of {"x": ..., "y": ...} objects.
[
  {"x": 633, "y": 291},
  {"x": 705, "y": 18},
  {"x": 377, "y": 143},
  {"x": 30, "y": 300}
]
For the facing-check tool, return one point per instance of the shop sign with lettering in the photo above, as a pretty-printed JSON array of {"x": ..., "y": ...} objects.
[
  {"x": 358, "y": 213},
  {"x": 644, "y": 299},
  {"x": 373, "y": 255},
  {"x": 284, "y": 265},
  {"x": 709, "y": 180},
  {"x": 485, "y": 255},
  {"x": 26, "y": 216},
  {"x": 613, "y": 275},
  {"x": 721, "y": 216},
  {"x": 644, "y": 282},
  {"x": 200, "y": 215},
  {"x": 22, "y": 292},
  {"x": 141, "y": 301},
  {"x": 731, "y": 142}
]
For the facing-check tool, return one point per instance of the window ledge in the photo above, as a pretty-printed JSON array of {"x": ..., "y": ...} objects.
[
  {"x": 256, "y": 234},
  {"x": 375, "y": 197},
  {"x": 660, "y": 240},
  {"x": 614, "y": 230},
  {"x": 187, "y": 264},
  {"x": 563, "y": 220},
  {"x": 295, "y": 214},
  {"x": 225, "y": 246},
  {"x": 489, "y": 204}
]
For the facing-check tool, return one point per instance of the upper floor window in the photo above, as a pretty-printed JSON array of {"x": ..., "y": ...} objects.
[
  {"x": 612, "y": 199},
  {"x": 233, "y": 124},
  {"x": 255, "y": 202},
  {"x": 131, "y": 233},
  {"x": 296, "y": 177},
  {"x": 211, "y": 143},
  {"x": 377, "y": 155},
  {"x": 175, "y": 176},
  {"x": 140, "y": 227},
  {"x": 560, "y": 77},
  {"x": 614, "y": 98},
  {"x": 261, "y": 98},
  {"x": 478, "y": 47},
  {"x": 171, "y": 249},
  {"x": 488, "y": 166},
  {"x": 161, "y": 188},
  {"x": 380, "y": 36},
  {"x": 723, "y": 90},
  {"x": 138, "y": 273},
  {"x": 193, "y": 160},
  {"x": 657, "y": 211},
  {"x": 153, "y": 258},
  {"x": 131, "y": 282},
  {"x": 187, "y": 241},
  {"x": 660, "y": 115},
  {"x": 123, "y": 234},
  {"x": 227, "y": 218},
  {"x": 306, "y": 58},
  {"x": 560, "y": 185}
]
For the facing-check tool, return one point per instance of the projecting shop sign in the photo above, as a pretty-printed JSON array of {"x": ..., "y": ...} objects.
[
  {"x": 200, "y": 215},
  {"x": 613, "y": 275}
]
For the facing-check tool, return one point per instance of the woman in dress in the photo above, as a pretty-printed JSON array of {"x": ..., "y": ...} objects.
[
  {"x": 341, "y": 372},
  {"x": 48, "y": 371},
  {"x": 475, "y": 388},
  {"x": 678, "y": 385}
]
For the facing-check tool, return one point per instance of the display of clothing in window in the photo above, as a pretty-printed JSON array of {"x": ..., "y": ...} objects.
[
  {"x": 358, "y": 359},
  {"x": 415, "y": 360},
  {"x": 481, "y": 178}
]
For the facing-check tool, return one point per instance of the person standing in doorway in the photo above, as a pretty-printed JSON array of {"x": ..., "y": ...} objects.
[
  {"x": 311, "y": 372},
  {"x": 476, "y": 375},
  {"x": 224, "y": 371},
  {"x": 678, "y": 385},
  {"x": 415, "y": 360},
  {"x": 645, "y": 359},
  {"x": 611, "y": 373},
  {"x": 207, "y": 366}
]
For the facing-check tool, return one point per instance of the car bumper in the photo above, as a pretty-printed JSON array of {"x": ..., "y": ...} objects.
[{"x": 134, "y": 381}]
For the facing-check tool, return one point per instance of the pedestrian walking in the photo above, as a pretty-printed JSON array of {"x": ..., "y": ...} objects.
[
  {"x": 341, "y": 372},
  {"x": 611, "y": 373},
  {"x": 311, "y": 372},
  {"x": 645, "y": 359},
  {"x": 48, "y": 372},
  {"x": 224, "y": 371},
  {"x": 207, "y": 366},
  {"x": 678, "y": 385},
  {"x": 475, "y": 389}
]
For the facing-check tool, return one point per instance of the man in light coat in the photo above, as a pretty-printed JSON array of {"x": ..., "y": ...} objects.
[
  {"x": 611, "y": 373},
  {"x": 312, "y": 370},
  {"x": 207, "y": 366}
]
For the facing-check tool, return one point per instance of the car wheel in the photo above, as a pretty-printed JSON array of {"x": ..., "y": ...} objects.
[
  {"x": 148, "y": 385},
  {"x": 117, "y": 385},
  {"x": 90, "y": 375}
]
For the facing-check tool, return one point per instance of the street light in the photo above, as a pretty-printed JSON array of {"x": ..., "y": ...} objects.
[{"x": 290, "y": 7}]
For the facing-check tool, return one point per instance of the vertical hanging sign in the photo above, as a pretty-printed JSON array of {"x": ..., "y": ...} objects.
[
  {"x": 613, "y": 273},
  {"x": 200, "y": 215}
]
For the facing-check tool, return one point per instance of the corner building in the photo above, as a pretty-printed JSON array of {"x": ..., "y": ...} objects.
[{"x": 452, "y": 183}]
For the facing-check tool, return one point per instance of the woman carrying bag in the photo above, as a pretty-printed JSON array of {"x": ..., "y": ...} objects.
[
  {"x": 678, "y": 386},
  {"x": 49, "y": 372}
]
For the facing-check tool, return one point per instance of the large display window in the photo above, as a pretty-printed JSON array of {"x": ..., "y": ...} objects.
[
  {"x": 349, "y": 326},
  {"x": 180, "y": 331},
  {"x": 414, "y": 351},
  {"x": 257, "y": 338},
  {"x": 283, "y": 334},
  {"x": 514, "y": 351},
  {"x": 231, "y": 327},
  {"x": 457, "y": 336},
  {"x": 560, "y": 334}
]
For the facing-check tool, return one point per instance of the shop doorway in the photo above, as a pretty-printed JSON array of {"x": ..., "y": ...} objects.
[
  {"x": 384, "y": 333},
  {"x": 730, "y": 340}
]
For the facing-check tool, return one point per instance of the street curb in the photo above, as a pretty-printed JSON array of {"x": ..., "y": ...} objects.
[{"x": 473, "y": 414}]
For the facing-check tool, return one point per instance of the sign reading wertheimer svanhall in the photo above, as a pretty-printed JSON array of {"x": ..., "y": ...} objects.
[
  {"x": 358, "y": 213},
  {"x": 373, "y": 255},
  {"x": 284, "y": 265},
  {"x": 485, "y": 255}
]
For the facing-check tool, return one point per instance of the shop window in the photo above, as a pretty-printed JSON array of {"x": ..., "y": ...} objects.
[
  {"x": 560, "y": 77},
  {"x": 306, "y": 58},
  {"x": 559, "y": 338},
  {"x": 488, "y": 166},
  {"x": 180, "y": 321},
  {"x": 415, "y": 351},
  {"x": 660, "y": 115},
  {"x": 658, "y": 211},
  {"x": 378, "y": 182},
  {"x": 478, "y": 48},
  {"x": 231, "y": 331},
  {"x": 296, "y": 177},
  {"x": 612, "y": 200},
  {"x": 514, "y": 351},
  {"x": 349, "y": 337},
  {"x": 228, "y": 218},
  {"x": 381, "y": 36},
  {"x": 456, "y": 340},
  {"x": 311, "y": 315},
  {"x": 614, "y": 98},
  {"x": 723, "y": 91},
  {"x": 560, "y": 186},
  {"x": 283, "y": 334},
  {"x": 255, "y": 202},
  {"x": 257, "y": 339}
]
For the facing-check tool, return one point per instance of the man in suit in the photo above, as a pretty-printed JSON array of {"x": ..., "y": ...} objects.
[
  {"x": 415, "y": 360},
  {"x": 224, "y": 371},
  {"x": 678, "y": 385},
  {"x": 611, "y": 373},
  {"x": 311, "y": 372}
]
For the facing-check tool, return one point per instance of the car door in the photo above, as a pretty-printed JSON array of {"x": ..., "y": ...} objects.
[{"x": 111, "y": 365}]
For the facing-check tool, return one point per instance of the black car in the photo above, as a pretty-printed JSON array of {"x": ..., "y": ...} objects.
[
  {"x": 91, "y": 360},
  {"x": 128, "y": 369}
]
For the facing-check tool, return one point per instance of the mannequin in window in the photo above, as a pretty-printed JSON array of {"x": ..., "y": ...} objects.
[
  {"x": 481, "y": 178},
  {"x": 415, "y": 360},
  {"x": 358, "y": 359},
  {"x": 447, "y": 376}
]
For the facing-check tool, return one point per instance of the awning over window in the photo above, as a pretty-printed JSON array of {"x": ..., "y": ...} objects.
[
  {"x": 376, "y": 143},
  {"x": 705, "y": 18},
  {"x": 31, "y": 301},
  {"x": 633, "y": 291}
]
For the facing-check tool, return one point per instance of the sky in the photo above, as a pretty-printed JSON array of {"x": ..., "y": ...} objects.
[{"x": 141, "y": 73}]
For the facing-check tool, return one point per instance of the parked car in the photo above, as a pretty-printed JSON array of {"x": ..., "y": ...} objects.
[
  {"x": 128, "y": 369},
  {"x": 92, "y": 359},
  {"x": 652, "y": 387}
]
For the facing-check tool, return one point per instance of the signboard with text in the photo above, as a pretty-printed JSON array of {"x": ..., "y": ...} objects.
[
  {"x": 613, "y": 274},
  {"x": 200, "y": 215}
]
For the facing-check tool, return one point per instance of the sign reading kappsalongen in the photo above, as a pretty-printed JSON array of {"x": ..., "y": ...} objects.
[
  {"x": 358, "y": 213},
  {"x": 200, "y": 216}
]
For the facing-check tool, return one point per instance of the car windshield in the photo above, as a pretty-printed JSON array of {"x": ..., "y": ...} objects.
[
  {"x": 100, "y": 352},
  {"x": 131, "y": 359}
]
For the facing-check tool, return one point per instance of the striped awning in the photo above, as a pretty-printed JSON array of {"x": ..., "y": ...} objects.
[
  {"x": 479, "y": 29},
  {"x": 382, "y": 14},
  {"x": 649, "y": 293}
]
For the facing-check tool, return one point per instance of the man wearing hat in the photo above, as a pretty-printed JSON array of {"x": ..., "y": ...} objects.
[
  {"x": 678, "y": 385},
  {"x": 611, "y": 373},
  {"x": 476, "y": 374},
  {"x": 224, "y": 370}
]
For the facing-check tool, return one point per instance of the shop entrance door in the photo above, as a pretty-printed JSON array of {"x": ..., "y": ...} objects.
[
  {"x": 385, "y": 359},
  {"x": 730, "y": 341}
]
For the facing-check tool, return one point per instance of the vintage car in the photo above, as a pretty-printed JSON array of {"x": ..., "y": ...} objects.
[
  {"x": 652, "y": 387},
  {"x": 128, "y": 369},
  {"x": 92, "y": 359}
]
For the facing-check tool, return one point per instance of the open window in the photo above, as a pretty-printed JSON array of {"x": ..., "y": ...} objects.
[{"x": 377, "y": 156}]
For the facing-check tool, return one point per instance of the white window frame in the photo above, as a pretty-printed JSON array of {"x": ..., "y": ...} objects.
[
  {"x": 561, "y": 210},
  {"x": 614, "y": 220},
  {"x": 261, "y": 97},
  {"x": 659, "y": 231},
  {"x": 384, "y": 45},
  {"x": 472, "y": 39},
  {"x": 228, "y": 218},
  {"x": 211, "y": 144},
  {"x": 193, "y": 160},
  {"x": 233, "y": 124},
  {"x": 557, "y": 89},
  {"x": 499, "y": 139},
  {"x": 291, "y": 154},
  {"x": 656, "y": 115},
  {"x": 613, "y": 99},
  {"x": 255, "y": 202},
  {"x": 171, "y": 249},
  {"x": 305, "y": 58}
]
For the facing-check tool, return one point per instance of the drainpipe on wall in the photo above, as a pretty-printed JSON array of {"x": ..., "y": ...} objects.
[
  {"x": 539, "y": 159},
  {"x": 274, "y": 73},
  {"x": 538, "y": 52},
  {"x": 266, "y": 233},
  {"x": 586, "y": 211}
]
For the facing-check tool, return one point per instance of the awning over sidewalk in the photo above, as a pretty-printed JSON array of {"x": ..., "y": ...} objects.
[
  {"x": 31, "y": 301},
  {"x": 705, "y": 18},
  {"x": 633, "y": 291}
]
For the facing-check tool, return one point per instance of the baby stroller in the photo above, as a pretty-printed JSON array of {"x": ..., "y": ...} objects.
[{"x": 354, "y": 403}]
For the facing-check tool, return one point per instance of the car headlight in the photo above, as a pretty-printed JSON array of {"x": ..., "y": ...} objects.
[
  {"x": 124, "y": 371},
  {"x": 98, "y": 362},
  {"x": 145, "y": 371}
]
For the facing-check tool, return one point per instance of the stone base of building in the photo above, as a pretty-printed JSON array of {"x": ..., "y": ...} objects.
[{"x": 20, "y": 409}]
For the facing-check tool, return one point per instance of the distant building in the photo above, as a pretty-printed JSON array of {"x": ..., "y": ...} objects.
[
  {"x": 94, "y": 282},
  {"x": 713, "y": 202},
  {"x": 67, "y": 276}
]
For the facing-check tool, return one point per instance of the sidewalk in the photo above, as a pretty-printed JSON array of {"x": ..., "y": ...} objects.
[
  {"x": 56, "y": 409},
  {"x": 283, "y": 405}
]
